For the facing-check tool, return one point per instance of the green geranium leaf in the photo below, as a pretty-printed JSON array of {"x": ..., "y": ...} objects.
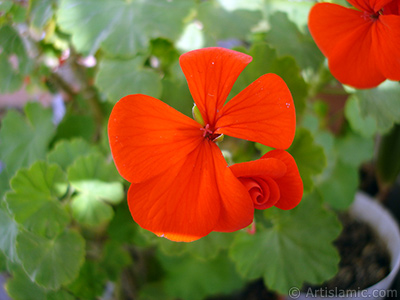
[
  {"x": 297, "y": 11},
  {"x": 76, "y": 126},
  {"x": 121, "y": 28},
  {"x": 65, "y": 152},
  {"x": 5, "y": 6},
  {"x": 115, "y": 258},
  {"x": 118, "y": 78},
  {"x": 14, "y": 61},
  {"x": 51, "y": 262},
  {"x": 347, "y": 145},
  {"x": 264, "y": 61},
  {"x": 341, "y": 186},
  {"x": 309, "y": 156},
  {"x": 220, "y": 24},
  {"x": 21, "y": 287},
  {"x": 8, "y": 234},
  {"x": 207, "y": 247},
  {"x": 192, "y": 38},
  {"x": 216, "y": 276},
  {"x": 122, "y": 228},
  {"x": 24, "y": 140},
  {"x": 293, "y": 42},
  {"x": 175, "y": 92},
  {"x": 388, "y": 162},
  {"x": 293, "y": 250},
  {"x": 98, "y": 185},
  {"x": 34, "y": 200},
  {"x": 364, "y": 125},
  {"x": 90, "y": 283},
  {"x": 40, "y": 13},
  {"x": 381, "y": 104}
]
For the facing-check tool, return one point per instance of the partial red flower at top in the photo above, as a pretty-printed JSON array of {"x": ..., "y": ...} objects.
[
  {"x": 363, "y": 44},
  {"x": 181, "y": 187}
]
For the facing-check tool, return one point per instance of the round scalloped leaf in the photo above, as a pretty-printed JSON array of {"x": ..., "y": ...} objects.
[
  {"x": 354, "y": 149},
  {"x": 133, "y": 78},
  {"x": 90, "y": 284},
  {"x": 309, "y": 156},
  {"x": 51, "y": 262},
  {"x": 40, "y": 12},
  {"x": 34, "y": 199},
  {"x": 220, "y": 24},
  {"x": 297, "y": 249},
  {"x": 364, "y": 125},
  {"x": 14, "y": 61},
  {"x": 211, "y": 277},
  {"x": 207, "y": 247},
  {"x": 121, "y": 27},
  {"x": 98, "y": 185},
  {"x": 24, "y": 140},
  {"x": 380, "y": 104},
  {"x": 8, "y": 234},
  {"x": 293, "y": 42},
  {"x": 340, "y": 187},
  {"x": 66, "y": 151},
  {"x": 20, "y": 287}
]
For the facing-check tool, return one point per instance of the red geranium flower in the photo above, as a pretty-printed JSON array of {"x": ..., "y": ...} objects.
[
  {"x": 182, "y": 188},
  {"x": 273, "y": 180},
  {"x": 363, "y": 44}
]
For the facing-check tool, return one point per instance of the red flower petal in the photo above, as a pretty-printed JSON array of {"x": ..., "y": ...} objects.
[
  {"x": 259, "y": 177},
  {"x": 392, "y": 8},
  {"x": 211, "y": 73},
  {"x": 184, "y": 203},
  {"x": 148, "y": 137},
  {"x": 344, "y": 36},
  {"x": 264, "y": 191},
  {"x": 386, "y": 36},
  {"x": 237, "y": 209},
  {"x": 270, "y": 167},
  {"x": 291, "y": 185},
  {"x": 370, "y": 6},
  {"x": 263, "y": 112}
]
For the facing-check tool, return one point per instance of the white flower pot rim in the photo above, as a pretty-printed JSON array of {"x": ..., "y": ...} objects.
[{"x": 385, "y": 226}]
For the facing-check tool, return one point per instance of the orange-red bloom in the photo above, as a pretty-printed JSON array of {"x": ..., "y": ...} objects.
[
  {"x": 363, "y": 44},
  {"x": 273, "y": 180},
  {"x": 182, "y": 188}
]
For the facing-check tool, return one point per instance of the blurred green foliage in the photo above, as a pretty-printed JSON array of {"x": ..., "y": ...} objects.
[{"x": 65, "y": 228}]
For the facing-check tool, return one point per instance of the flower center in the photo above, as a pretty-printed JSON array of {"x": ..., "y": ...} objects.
[
  {"x": 373, "y": 17},
  {"x": 209, "y": 134}
]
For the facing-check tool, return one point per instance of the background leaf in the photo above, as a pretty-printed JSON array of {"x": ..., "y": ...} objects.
[
  {"x": 220, "y": 24},
  {"x": 20, "y": 287},
  {"x": 309, "y": 156},
  {"x": 8, "y": 234},
  {"x": 51, "y": 262},
  {"x": 65, "y": 152},
  {"x": 34, "y": 200},
  {"x": 288, "y": 40},
  {"x": 14, "y": 61},
  {"x": 292, "y": 248},
  {"x": 212, "y": 277},
  {"x": 133, "y": 78},
  {"x": 24, "y": 140},
  {"x": 94, "y": 24},
  {"x": 380, "y": 104},
  {"x": 98, "y": 184}
]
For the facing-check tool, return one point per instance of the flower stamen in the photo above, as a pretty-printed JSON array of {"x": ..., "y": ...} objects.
[{"x": 206, "y": 131}]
